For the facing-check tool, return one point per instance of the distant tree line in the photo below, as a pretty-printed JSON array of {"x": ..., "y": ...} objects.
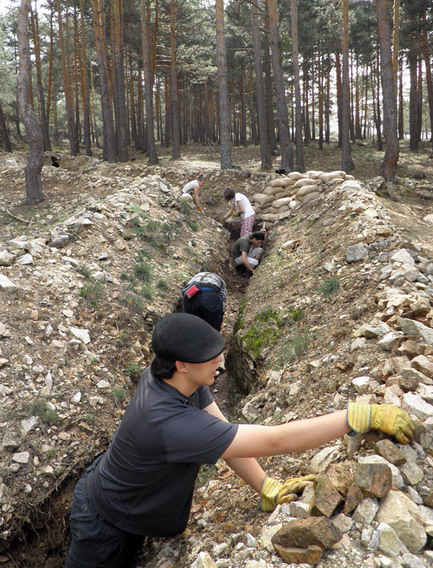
[{"x": 118, "y": 75}]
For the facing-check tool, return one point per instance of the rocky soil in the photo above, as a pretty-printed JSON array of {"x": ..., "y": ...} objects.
[{"x": 340, "y": 309}]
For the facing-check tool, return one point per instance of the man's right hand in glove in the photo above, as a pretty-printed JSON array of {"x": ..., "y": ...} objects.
[
  {"x": 387, "y": 418},
  {"x": 274, "y": 493}
]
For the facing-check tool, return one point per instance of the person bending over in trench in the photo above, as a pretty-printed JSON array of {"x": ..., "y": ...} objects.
[
  {"x": 240, "y": 206},
  {"x": 247, "y": 252},
  {"x": 205, "y": 296},
  {"x": 190, "y": 191},
  {"x": 143, "y": 484}
]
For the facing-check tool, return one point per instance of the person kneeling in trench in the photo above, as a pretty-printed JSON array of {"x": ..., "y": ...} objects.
[
  {"x": 143, "y": 484},
  {"x": 247, "y": 252}
]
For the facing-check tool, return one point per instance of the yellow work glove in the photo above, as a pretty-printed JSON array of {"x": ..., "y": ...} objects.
[
  {"x": 269, "y": 493},
  {"x": 292, "y": 487},
  {"x": 387, "y": 418},
  {"x": 235, "y": 214},
  {"x": 274, "y": 493},
  {"x": 200, "y": 209}
]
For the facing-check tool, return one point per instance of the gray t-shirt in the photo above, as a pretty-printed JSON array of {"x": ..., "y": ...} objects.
[{"x": 144, "y": 482}]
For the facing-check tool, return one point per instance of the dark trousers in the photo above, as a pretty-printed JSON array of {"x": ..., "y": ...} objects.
[
  {"x": 207, "y": 305},
  {"x": 95, "y": 542}
]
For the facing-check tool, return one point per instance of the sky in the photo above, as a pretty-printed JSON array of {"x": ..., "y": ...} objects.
[{"x": 4, "y": 4}]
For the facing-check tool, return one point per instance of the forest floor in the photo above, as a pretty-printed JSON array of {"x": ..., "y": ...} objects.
[{"x": 45, "y": 542}]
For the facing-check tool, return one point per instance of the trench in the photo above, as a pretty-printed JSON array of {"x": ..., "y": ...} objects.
[{"x": 43, "y": 540}]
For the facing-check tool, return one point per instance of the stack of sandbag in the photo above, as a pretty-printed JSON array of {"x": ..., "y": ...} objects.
[{"x": 286, "y": 194}]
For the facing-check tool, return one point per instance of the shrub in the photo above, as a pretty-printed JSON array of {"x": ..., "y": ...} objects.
[
  {"x": 330, "y": 286},
  {"x": 143, "y": 271}
]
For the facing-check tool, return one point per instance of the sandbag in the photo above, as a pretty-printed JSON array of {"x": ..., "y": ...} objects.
[
  {"x": 272, "y": 190},
  {"x": 309, "y": 197},
  {"x": 305, "y": 190},
  {"x": 281, "y": 202},
  {"x": 296, "y": 175},
  {"x": 314, "y": 174},
  {"x": 262, "y": 199},
  {"x": 270, "y": 217},
  {"x": 279, "y": 182},
  {"x": 327, "y": 177},
  {"x": 304, "y": 181}
]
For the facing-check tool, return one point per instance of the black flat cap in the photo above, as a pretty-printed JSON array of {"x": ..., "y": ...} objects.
[{"x": 187, "y": 338}]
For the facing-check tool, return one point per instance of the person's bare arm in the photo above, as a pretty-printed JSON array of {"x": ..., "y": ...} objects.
[
  {"x": 247, "y": 468},
  {"x": 256, "y": 441},
  {"x": 246, "y": 263},
  {"x": 196, "y": 199}
]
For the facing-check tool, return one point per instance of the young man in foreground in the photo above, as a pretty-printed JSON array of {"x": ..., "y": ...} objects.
[{"x": 143, "y": 484}]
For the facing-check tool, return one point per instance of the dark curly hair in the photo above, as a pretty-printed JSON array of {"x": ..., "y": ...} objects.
[{"x": 162, "y": 368}]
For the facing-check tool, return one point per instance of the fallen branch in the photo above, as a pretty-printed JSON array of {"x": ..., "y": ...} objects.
[{"x": 15, "y": 217}]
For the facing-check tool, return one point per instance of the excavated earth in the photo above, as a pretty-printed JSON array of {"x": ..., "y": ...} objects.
[{"x": 325, "y": 319}]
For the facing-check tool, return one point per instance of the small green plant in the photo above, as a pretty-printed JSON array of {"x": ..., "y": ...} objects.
[
  {"x": 147, "y": 292},
  {"x": 193, "y": 225},
  {"x": 90, "y": 417},
  {"x": 84, "y": 271},
  {"x": 143, "y": 271},
  {"x": 144, "y": 254},
  {"x": 119, "y": 395},
  {"x": 51, "y": 453},
  {"x": 92, "y": 292},
  {"x": 264, "y": 330},
  {"x": 292, "y": 350},
  {"x": 184, "y": 207},
  {"x": 330, "y": 286},
  {"x": 50, "y": 417},
  {"x": 133, "y": 371},
  {"x": 296, "y": 314},
  {"x": 40, "y": 407},
  {"x": 162, "y": 286}
]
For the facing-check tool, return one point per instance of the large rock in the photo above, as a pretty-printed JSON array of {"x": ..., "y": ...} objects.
[{"x": 400, "y": 513}]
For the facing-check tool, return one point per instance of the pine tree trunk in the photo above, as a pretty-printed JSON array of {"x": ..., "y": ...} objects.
[
  {"x": 34, "y": 137},
  {"x": 119, "y": 82},
  {"x": 283, "y": 116},
  {"x": 66, "y": 72},
  {"x": 300, "y": 165},
  {"x": 4, "y": 132},
  {"x": 175, "y": 120},
  {"x": 109, "y": 148},
  {"x": 413, "y": 98},
  {"x": 148, "y": 83},
  {"x": 389, "y": 164},
  {"x": 223, "y": 92},
  {"x": 270, "y": 120},
  {"x": 428, "y": 74},
  {"x": 265, "y": 153},
  {"x": 37, "y": 51},
  {"x": 346, "y": 158},
  {"x": 339, "y": 97},
  {"x": 85, "y": 84}
]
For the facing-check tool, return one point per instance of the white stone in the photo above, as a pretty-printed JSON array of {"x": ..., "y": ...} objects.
[
  {"x": 81, "y": 334},
  {"x": 399, "y": 512},
  {"x": 6, "y": 284},
  {"x": 323, "y": 458},
  {"x": 21, "y": 457},
  {"x": 102, "y": 384},
  {"x": 414, "y": 404},
  {"x": 402, "y": 256}
]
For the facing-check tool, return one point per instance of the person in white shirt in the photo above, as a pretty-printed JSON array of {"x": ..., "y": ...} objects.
[
  {"x": 190, "y": 191},
  {"x": 240, "y": 206}
]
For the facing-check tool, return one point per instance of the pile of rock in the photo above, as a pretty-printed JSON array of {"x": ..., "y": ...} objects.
[{"x": 286, "y": 194}]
